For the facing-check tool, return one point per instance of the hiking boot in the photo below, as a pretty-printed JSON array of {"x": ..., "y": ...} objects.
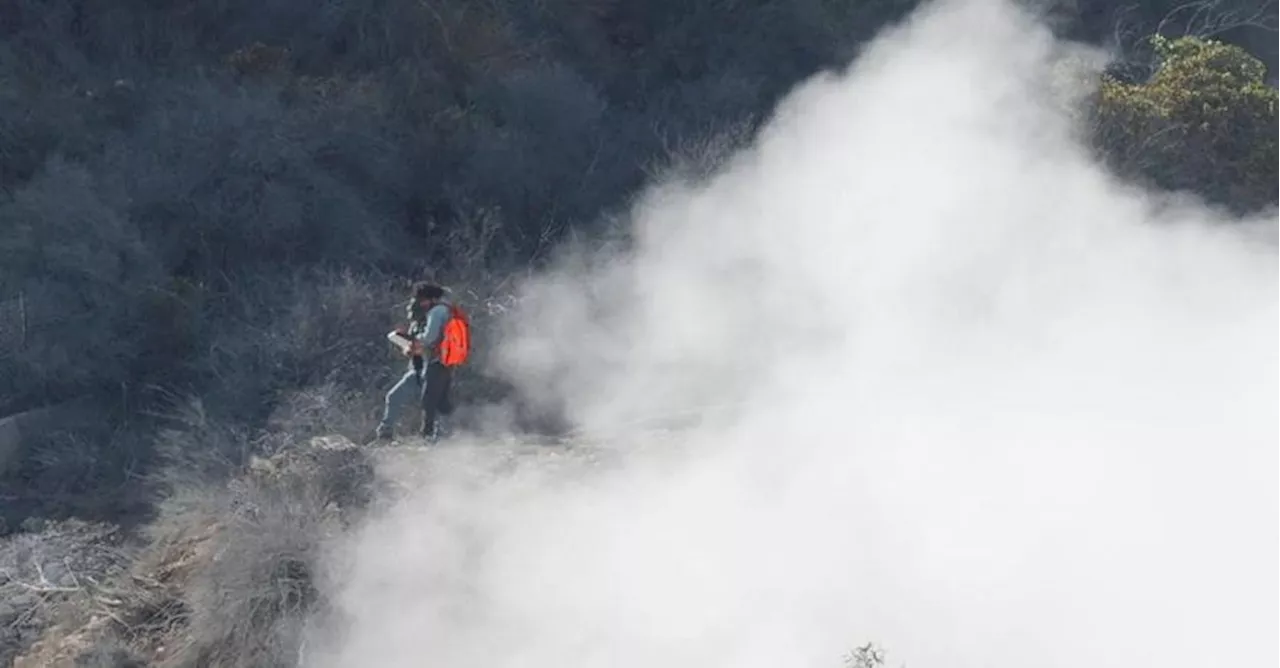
[
  {"x": 435, "y": 432},
  {"x": 442, "y": 428}
]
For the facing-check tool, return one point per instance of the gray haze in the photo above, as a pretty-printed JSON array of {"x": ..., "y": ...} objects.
[{"x": 965, "y": 396}]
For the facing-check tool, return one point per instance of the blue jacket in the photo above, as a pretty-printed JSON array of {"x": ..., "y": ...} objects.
[{"x": 430, "y": 330}]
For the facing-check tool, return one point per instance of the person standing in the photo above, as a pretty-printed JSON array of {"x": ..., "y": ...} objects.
[{"x": 439, "y": 335}]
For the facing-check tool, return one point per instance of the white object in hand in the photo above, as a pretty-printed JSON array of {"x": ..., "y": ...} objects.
[{"x": 399, "y": 340}]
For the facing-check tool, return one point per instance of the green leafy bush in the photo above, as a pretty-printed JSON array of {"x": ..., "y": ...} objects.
[{"x": 1205, "y": 121}]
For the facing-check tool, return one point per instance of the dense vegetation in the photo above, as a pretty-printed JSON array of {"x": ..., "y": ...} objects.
[
  {"x": 1205, "y": 121},
  {"x": 209, "y": 209},
  {"x": 223, "y": 199}
]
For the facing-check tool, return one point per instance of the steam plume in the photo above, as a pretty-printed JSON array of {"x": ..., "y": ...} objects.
[{"x": 962, "y": 394}]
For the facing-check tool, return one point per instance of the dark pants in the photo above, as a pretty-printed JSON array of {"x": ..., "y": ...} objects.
[
  {"x": 431, "y": 388},
  {"x": 437, "y": 381}
]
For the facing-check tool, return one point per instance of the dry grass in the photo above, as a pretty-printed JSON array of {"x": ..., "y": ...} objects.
[{"x": 226, "y": 577}]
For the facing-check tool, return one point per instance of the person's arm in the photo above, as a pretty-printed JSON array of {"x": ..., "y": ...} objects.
[{"x": 433, "y": 331}]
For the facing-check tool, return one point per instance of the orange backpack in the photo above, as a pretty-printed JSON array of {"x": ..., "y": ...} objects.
[{"x": 455, "y": 343}]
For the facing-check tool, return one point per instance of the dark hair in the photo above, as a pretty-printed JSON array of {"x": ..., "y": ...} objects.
[{"x": 425, "y": 290}]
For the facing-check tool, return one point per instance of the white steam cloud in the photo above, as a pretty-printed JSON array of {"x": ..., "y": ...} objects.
[{"x": 963, "y": 395}]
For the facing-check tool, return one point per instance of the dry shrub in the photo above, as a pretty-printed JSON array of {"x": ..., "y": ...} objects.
[
  {"x": 246, "y": 602},
  {"x": 227, "y": 575},
  {"x": 51, "y": 579}
]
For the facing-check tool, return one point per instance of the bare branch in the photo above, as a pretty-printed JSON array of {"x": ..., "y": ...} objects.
[
  {"x": 43, "y": 586},
  {"x": 1209, "y": 18},
  {"x": 1130, "y": 41}
]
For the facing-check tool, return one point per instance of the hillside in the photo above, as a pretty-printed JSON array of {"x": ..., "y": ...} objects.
[{"x": 229, "y": 575}]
